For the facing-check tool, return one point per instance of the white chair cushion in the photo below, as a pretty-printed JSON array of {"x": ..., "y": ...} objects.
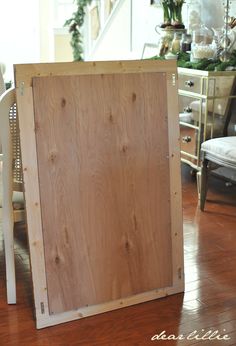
[{"x": 223, "y": 148}]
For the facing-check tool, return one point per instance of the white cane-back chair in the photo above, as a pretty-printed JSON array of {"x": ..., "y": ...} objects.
[{"x": 11, "y": 196}]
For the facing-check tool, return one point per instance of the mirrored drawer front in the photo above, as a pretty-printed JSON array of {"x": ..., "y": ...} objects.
[
  {"x": 191, "y": 109},
  {"x": 188, "y": 140},
  {"x": 188, "y": 145},
  {"x": 218, "y": 86},
  {"x": 190, "y": 83}
]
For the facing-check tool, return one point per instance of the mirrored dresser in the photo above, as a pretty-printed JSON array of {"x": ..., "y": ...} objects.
[{"x": 207, "y": 105}]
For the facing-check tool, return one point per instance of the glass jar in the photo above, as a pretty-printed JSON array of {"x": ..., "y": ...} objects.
[
  {"x": 166, "y": 37},
  {"x": 175, "y": 45},
  {"x": 186, "y": 43},
  {"x": 202, "y": 45},
  {"x": 202, "y": 35},
  {"x": 202, "y": 51},
  {"x": 194, "y": 15}
]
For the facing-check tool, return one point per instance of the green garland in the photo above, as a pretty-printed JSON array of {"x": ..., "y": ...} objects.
[
  {"x": 207, "y": 64},
  {"x": 75, "y": 23},
  {"x": 203, "y": 64}
]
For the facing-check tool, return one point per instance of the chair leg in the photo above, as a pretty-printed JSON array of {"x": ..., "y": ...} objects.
[
  {"x": 8, "y": 233},
  {"x": 203, "y": 183},
  {"x": 198, "y": 176}
]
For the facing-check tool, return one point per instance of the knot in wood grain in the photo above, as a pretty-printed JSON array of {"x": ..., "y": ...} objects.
[
  {"x": 127, "y": 246},
  {"x": 52, "y": 157},
  {"x": 111, "y": 118},
  {"x": 135, "y": 222},
  {"x": 134, "y": 97},
  {"x": 36, "y": 126},
  {"x": 124, "y": 148},
  {"x": 57, "y": 259},
  {"x": 66, "y": 235},
  {"x": 63, "y": 102}
]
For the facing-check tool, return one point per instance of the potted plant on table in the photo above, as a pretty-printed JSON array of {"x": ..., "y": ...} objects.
[
  {"x": 171, "y": 30},
  {"x": 172, "y": 14}
]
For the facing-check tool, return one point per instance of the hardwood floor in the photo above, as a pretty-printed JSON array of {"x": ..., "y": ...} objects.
[{"x": 209, "y": 301}]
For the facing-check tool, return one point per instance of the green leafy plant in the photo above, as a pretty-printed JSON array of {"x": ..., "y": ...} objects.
[
  {"x": 203, "y": 64},
  {"x": 207, "y": 64},
  {"x": 75, "y": 23},
  {"x": 172, "y": 11}
]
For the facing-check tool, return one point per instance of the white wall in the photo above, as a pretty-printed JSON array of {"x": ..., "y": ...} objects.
[
  {"x": 27, "y": 33},
  {"x": 145, "y": 19},
  {"x": 54, "y": 37},
  {"x": 62, "y": 48},
  {"x": 115, "y": 42},
  {"x": 46, "y": 22},
  {"x": 19, "y": 33},
  {"x": 132, "y": 25}
]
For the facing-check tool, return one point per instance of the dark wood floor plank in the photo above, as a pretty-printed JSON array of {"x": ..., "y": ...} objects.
[{"x": 209, "y": 301}]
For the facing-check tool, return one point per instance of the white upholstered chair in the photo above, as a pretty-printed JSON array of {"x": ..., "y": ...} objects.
[
  {"x": 217, "y": 151},
  {"x": 11, "y": 187}
]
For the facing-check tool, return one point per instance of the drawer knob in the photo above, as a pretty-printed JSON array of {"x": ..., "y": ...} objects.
[
  {"x": 189, "y": 83},
  {"x": 186, "y": 139},
  {"x": 188, "y": 109}
]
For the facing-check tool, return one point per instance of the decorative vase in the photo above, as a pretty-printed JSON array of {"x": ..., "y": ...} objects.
[{"x": 166, "y": 36}]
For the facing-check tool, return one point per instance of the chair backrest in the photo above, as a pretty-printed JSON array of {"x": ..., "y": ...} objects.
[
  {"x": 15, "y": 138},
  {"x": 9, "y": 136},
  {"x": 12, "y": 203}
]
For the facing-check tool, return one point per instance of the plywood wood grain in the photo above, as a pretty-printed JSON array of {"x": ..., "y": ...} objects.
[{"x": 103, "y": 166}]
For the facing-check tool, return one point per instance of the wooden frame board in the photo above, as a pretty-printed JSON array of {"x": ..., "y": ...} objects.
[{"x": 120, "y": 134}]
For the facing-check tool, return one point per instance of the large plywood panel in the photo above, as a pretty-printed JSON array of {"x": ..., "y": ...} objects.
[{"x": 102, "y": 151}]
